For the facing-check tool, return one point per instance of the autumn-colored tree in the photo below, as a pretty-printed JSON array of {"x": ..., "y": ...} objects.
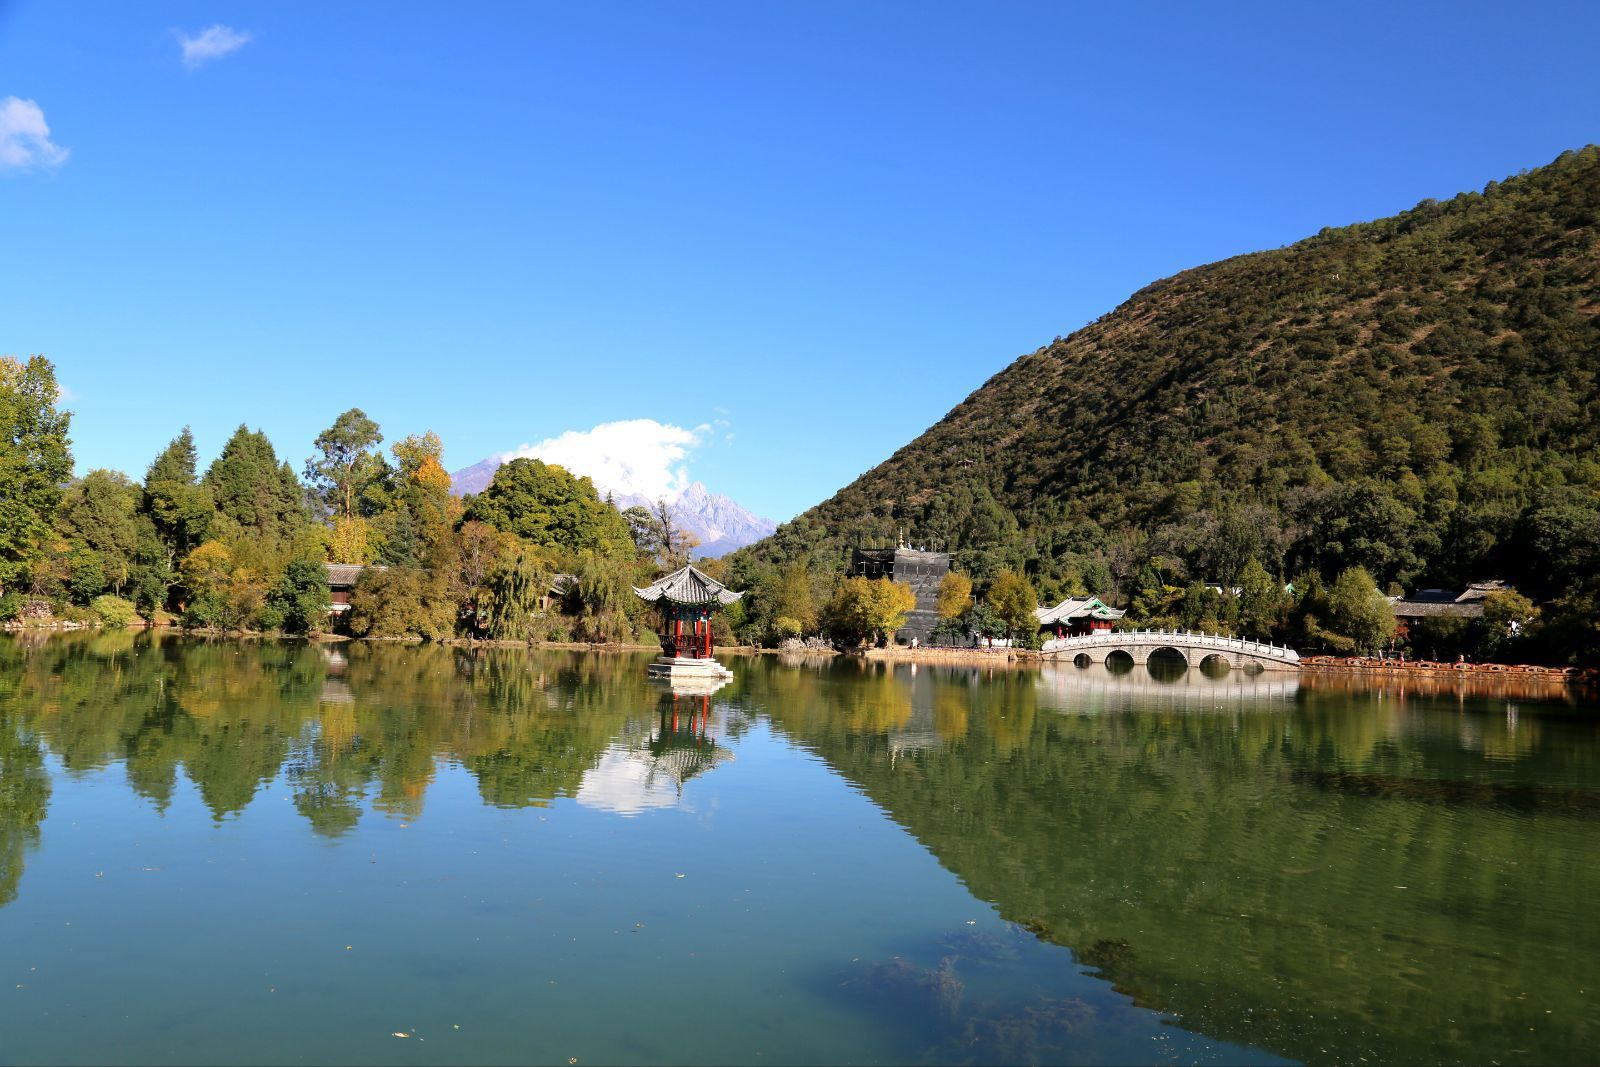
[
  {"x": 1013, "y": 599},
  {"x": 873, "y": 608},
  {"x": 795, "y": 601},
  {"x": 400, "y": 602},
  {"x": 955, "y": 595},
  {"x": 479, "y": 550},
  {"x": 350, "y": 540}
]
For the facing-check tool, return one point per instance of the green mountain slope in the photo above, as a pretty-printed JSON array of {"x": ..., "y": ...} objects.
[{"x": 1416, "y": 395}]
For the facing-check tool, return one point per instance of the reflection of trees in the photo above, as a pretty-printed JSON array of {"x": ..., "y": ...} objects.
[
  {"x": 364, "y": 724},
  {"x": 24, "y": 794},
  {"x": 1239, "y": 868}
]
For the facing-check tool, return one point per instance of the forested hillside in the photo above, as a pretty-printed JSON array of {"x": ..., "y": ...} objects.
[{"x": 1415, "y": 395}]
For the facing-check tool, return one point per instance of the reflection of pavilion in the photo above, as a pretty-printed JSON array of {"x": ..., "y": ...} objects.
[
  {"x": 647, "y": 768},
  {"x": 1085, "y": 689}
]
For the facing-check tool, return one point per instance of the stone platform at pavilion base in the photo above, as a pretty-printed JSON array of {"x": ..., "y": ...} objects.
[{"x": 688, "y": 669}]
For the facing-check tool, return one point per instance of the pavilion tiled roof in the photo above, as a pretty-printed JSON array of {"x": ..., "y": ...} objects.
[
  {"x": 687, "y": 586},
  {"x": 1077, "y": 608}
]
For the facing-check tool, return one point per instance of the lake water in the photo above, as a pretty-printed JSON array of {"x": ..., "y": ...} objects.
[{"x": 272, "y": 853}]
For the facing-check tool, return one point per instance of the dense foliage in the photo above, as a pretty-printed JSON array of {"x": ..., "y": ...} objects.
[
  {"x": 1415, "y": 396},
  {"x": 244, "y": 545}
]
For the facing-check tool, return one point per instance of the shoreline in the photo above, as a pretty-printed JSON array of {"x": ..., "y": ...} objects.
[
  {"x": 1584, "y": 677},
  {"x": 1430, "y": 669}
]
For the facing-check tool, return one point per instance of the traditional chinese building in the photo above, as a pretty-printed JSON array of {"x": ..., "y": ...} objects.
[
  {"x": 1077, "y": 617},
  {"x": 687, "y": 599},
  {"x": 342, "y": 578},
  {"x": 921, "y": 570},
  {"x": 1440, "y": 604}
]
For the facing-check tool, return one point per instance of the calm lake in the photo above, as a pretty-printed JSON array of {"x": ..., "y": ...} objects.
[{"x": 268, "y": 853}]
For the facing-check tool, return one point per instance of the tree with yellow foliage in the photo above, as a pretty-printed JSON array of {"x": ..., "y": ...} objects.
[
  {"x": 863, "y": 608},
  {"x": 955, "y": 595}
]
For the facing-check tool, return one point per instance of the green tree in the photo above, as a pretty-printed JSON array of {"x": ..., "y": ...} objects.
[
  {"x": 1261, "y": 601},
  {"x": 605, "y": 596},
  {"x": 1358, "y": 611},
  {"x": 100, "y": 523},
  {"x": 512, "y": 592},
  {"x": 299, "y": 603},
  {"x": 346, "y": 461},
  {"x": 34, "y": 464},
  {"x": 546, "y": 506},
  {"x": 250, "y": 486},
  {"x": 115, "y": 613},
  {"x": 180, "y": 512},
  {"x": 644, "y": 531}
]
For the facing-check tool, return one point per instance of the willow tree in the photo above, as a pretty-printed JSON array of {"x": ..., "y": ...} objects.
[{"x": 512, "y": 593}]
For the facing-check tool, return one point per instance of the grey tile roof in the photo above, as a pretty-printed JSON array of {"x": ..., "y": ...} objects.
[
  {"x": 687, "y": 586},
  {"x": 343, "y": 575}
]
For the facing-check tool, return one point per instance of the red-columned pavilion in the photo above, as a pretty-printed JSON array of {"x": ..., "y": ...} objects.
[{"x": 687, "y": 598}]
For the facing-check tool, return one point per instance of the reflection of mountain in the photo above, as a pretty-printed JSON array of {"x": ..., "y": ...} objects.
[{"x": 1216, "y": 867}]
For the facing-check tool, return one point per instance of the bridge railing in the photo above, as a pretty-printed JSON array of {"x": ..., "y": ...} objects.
[{"x": 1178, "y": 638}]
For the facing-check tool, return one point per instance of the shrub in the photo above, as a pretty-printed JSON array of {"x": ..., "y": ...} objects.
[{"x": 114, "y": 612}]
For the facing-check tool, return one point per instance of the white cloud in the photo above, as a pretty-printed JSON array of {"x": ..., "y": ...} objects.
[
  {"x": 632, "y": 457},
  {"x": 213, "y": 42},
  {"x": 25, "y": 137}
]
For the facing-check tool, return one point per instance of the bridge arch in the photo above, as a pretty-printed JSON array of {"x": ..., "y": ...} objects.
[
  {"x": 1119, "y": 661},
  {"x": 1169, "y": 654}
]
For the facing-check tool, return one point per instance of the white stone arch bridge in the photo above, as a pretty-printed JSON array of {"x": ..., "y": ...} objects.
[{"x": 1195, "y": 648}]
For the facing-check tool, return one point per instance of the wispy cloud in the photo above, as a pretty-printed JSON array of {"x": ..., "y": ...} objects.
[
  {"x": 25, "y": 137},
  {"x": 633, "y": 456},
  {"x": 213, "y": 42}
]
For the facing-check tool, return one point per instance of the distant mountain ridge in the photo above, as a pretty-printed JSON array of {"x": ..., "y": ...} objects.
[{"x": 720, "y": 523}]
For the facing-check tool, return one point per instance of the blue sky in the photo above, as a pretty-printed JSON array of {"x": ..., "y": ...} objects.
[{"x": 800, "y": 232}]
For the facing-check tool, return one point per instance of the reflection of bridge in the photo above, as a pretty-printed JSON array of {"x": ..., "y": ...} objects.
[
  {"x": 1195, "y": 648},
  {"x": 1071, "y": 689}
]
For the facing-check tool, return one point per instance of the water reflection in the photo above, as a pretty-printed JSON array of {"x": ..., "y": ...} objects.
[
  {"x": 646, "y": 767},
  {"x": 1095, "y": 689},
  {"x": 1326, "y": 871},
  {"x": 1327, "y": 874}
]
